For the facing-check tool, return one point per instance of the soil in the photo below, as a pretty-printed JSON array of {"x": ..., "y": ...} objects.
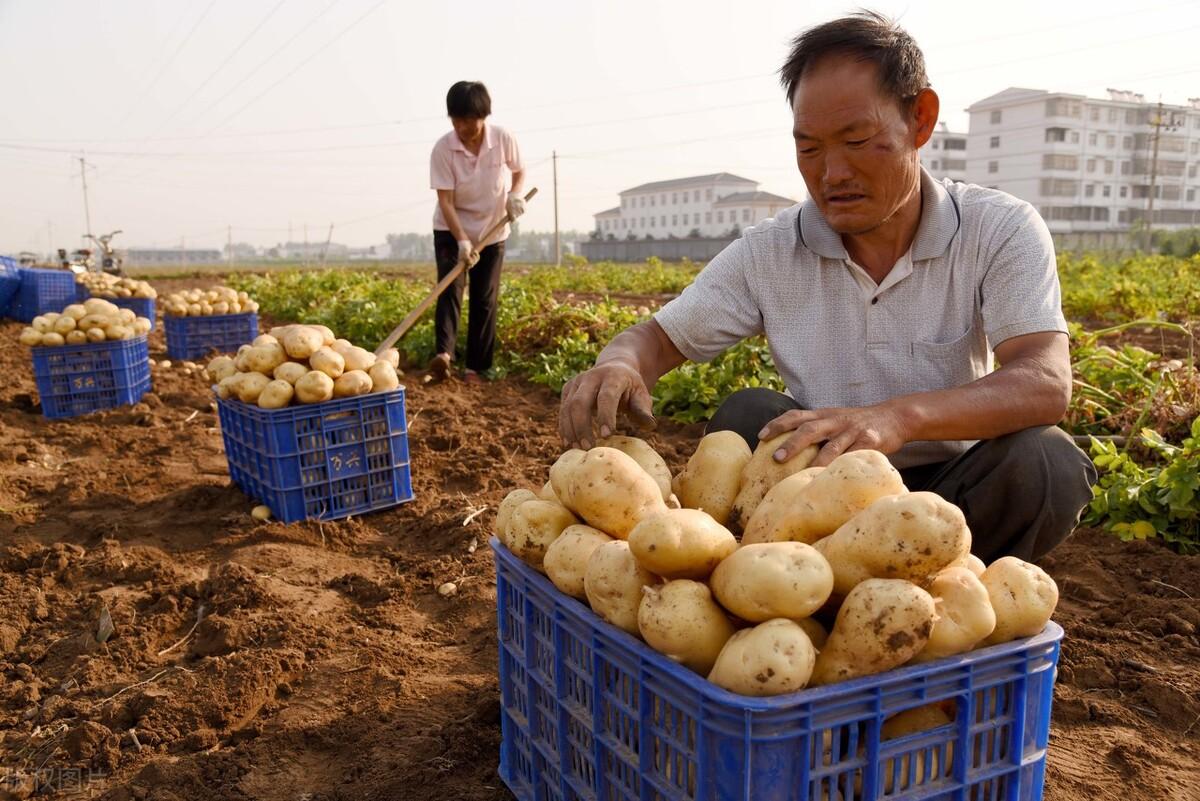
[{"x": 325, "y": 664}]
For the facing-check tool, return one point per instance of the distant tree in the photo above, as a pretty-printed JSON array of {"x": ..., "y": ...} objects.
[
  {"x": 694, "y": 233},
  {"x": 649, "y": 236},
  {"x": 611, "y": 237},
  {"x": 594, "y": 235},
  {"x": 631, "y": 236},
  {"x": 734, "y": 232}
]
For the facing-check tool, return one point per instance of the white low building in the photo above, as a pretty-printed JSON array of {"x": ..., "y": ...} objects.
[
  {"x": 945, "y": 154},
  {"x": 703, "y": 205}
]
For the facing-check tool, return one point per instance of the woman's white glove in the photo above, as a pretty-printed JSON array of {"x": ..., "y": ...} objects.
[
  {"x": 515, "y": 206},
  {"x": 467, "y": 252}
]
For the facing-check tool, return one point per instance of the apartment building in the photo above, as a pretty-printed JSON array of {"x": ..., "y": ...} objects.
[
  {"x": 945, "y": 154},
  {"x": 1088, "y": 164},
  {"x": 711, "y": 205}
]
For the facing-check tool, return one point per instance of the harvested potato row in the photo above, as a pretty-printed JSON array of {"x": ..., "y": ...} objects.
[
  {"x": 302, "y": 364},
  {"x": 208, "y": 302},
  {"x": 94, "y": 320},
  {"x": 103, "y": 285}
]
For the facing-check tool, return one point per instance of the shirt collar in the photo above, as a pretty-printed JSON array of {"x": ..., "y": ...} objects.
[
  {"x": 489, "y": 141},
  {"x": 940, "y": 220}
]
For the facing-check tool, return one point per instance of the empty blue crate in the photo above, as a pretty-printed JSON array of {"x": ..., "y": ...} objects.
[
  {"x": 41, "y": 291},
  {"x": 590, "y": 712},
  {"x": 10, "y": 283},
  {"x": 320, "y": 461},
  {"x": 195, "y": 337},
  {"x": 79, "y": 379}
]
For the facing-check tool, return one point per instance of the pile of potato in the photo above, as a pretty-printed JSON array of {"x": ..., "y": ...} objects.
[
  {"x": 94, "y": 320},
  {"x": 301, "y": 364},
  {"x": 208, "y": 302},
  {"x": 103, "y": 285},
  {"x": 846, "y": 545}
]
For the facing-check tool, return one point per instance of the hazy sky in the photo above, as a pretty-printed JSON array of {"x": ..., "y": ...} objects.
[{"x": 262, "y": 114}]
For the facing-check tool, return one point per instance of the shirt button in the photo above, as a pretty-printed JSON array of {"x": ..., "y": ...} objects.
[{"x": 874, "y": 301}]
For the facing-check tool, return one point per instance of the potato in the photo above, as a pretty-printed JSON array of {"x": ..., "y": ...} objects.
[
  {"x": 96, "y": 335},
  {"x": 806, "y": 511},
  {"x": 314, "y": 387},
  {"x": 504, "y": 514},
  {"x": 681, "y": 620},
  {"x": 773, "y": 579},
  {"x": 613, "y": 581},
  {"x": 913, "y": 721},
  {"x": 560, "y": 473},
  {"x": 99, "y": 306},
  {"x": 965, "y": 615},
  {"x": 351, "y": 383},
  {"x": 392, "y": 357},
  {"x": 120, "y": 332},
  {"x": 910, "y": 536},
  {"x": 219, "y": 368},
  {"x": 31, "y": 336},
  {"x": 63, "y": 325},
  {"x": 250, "y": 386},
  {"x": 567, "y": 557},
  {"x": 76, "y": 337},
  {"x": 760, "y": 474},
  {"x": 328, "y": 361},
  {"x": 644, "y": 455},
  {"x": 53, "y": 339},
  {"x": 92, "y": 321},
  {"x": 383, "y": 377},
  {"x": 882, "y": 624},
  {"x": 681, "y": 543},
  {"x": 327, "y": 337},
  {"x": 971, "y": 562},
  {"x": 815, "y": 631},
  {"x": 612, "y": 492},
  {"x": 300, "y": 343},
  {"x": 546, "y": 493},
  {"x": 141, "y": 326},
  {"x": 127, "y": 316},
  {"x": 773, "y": 658},
  {"x": 227, "y": 386},
  {"x": 265, "y": 339},
  {"x": 342, "y": 345},
  {"x": 76, "y": 311},
  {"x": 533, "y": 526},
  {"x": 714, "y": 474},
  {"x": 290, "y": 372},
  {"x": 276, "y": 394},
  {"x": 41, "y": 324},
  {"x": 358, "y": 359},
  {"x": 221, "y": 308},
  {"x": 1023, "y": 597},
  {"x": 264, "y": 358}
]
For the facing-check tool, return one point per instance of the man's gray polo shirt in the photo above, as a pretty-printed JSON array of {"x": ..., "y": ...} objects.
[{"x": 980, "y": 270}]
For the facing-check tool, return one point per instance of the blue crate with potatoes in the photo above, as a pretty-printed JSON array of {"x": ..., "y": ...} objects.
[
  {"x": 142, "y": 307},
  {"x": 196, "y": 337},
  {"x": 73, "y": 380},
  {"x": 590, "y": 712},
  {"x": 320, "y": 461}
]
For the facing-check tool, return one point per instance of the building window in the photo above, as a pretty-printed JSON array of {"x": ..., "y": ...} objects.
[
  {"x": 994, "y": 142},
  {"x": 696, "y": 197},
  {"x": 1124, "y": 191},
  {"x": 674, "y": 219},
  {"x": 664, "y": 198},
  {"x": 954, "y": 164},
  {"x": 1094, "y": 113},
  {"x": 1192, "y": 170},
  {"x": 996, "y": 116},
  {"x": 1125, "y": 168},
  {"x": 1191, "y": 195},
  {"x": 993, "y": 166},
  {"x": 652, "y": 219},
  {"x": 956, "y": 144},
  {"x": 1112, "y": 115},
  {"x": 1107, "y": 191},
  {"x": 1196, "y": 145},
  {"x": 1127, "y": 143},
  {"x": 1091, "y": 165},
  {"x": 745, "y": 215},
  {"x": 1093, "y": 138},
  {"x": 935, "y": 144},
  {"x": 1130, "y": 117},
  {"x": 1062, "y": 107},
  {"x": 1110, "y": 142},
  {"x": 1074, "y": 137},
  {"x": 1060, "y": 161},
  {"x": 708, "y": 194},
  {"x": 1056, "y": 134},
  {"x": 1059, "y": 187},
  {"x": 720, "y": 216},
  {"x": 935, "y": 164},
  {"x": 664, "y": 220},
  {"x": 708, "y": 218},
  {"x": 652, "y": 200},
  {"x": 1089, "y": 190},
  {"x": 696, "y": 216}
]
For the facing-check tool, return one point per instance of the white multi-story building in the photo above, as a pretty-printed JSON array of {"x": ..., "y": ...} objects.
[
  {"x": 708, "y": 205},
  {"x": 945, "y": 154},
  {"x": 1086, "y": 163}
]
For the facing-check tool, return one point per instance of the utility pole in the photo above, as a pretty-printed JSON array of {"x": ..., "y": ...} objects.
[
  {"x": 557, "y": 245},
  {"x": 1158, "y": 126},
  {"x": 229, "y": 245},
  {"x": 325, "y": 249},
  {"x": 87, "y": 212},
  {"x": 306, "y": 244}
]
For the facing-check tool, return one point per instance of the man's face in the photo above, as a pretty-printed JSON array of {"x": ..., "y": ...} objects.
[
  {"x": 469, "y": 129},
  {"x": 855, "y": 148}
]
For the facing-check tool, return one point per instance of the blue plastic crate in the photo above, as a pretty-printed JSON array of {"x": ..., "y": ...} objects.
[
  {"x": 10, "y": 283},
  {"x": 321, "y": 461},
  {"x": 79, "y": 379},
  {"x": 142, "y": 307},
  {"x": 41, "y": 291},
  {"x": 195, "y": 337},
  {"x": 590, "y": 712}
]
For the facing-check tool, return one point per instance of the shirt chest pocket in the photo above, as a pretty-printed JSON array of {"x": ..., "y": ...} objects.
[
  {"x": 958, "y": 349},
  {"x": 943, "y": 365}
]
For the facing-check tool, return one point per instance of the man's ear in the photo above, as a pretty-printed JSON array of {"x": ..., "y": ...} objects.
[{"x": 925, "y": 115}]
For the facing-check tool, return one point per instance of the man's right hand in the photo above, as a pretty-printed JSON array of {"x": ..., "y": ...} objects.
[
  {"x": 467, "y": 252},
  {"x": 595, "y": 397}
]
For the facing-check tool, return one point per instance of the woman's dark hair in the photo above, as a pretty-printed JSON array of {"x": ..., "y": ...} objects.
[
  {"x": 468, "y": 99},
  {"x": 867, "y": 36}
]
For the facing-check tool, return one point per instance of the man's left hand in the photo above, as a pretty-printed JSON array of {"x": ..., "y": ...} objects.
[
  {"x": 515, "y": 206},
  {"x": 879, "y": 428}
]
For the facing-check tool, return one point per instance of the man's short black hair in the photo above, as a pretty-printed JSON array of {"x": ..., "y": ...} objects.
[
  {"x": 468, "y": 99},
  {"x": 866, "y": 36}
]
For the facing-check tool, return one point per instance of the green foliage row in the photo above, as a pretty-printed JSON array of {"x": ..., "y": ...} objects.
[{"x": 1155, "y": 287}]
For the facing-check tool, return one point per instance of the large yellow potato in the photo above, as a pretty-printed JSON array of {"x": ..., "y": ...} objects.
[
  {"x": 1023, "y": 597},
  {"x": 910, "y": 536},
  {"x": 681, "y": 620},
  {"x": 882, "y": 624},
  {"x": 681, "y": 543},
  {"x": 276, "y": 394},
  {"x": 613, "y": 584},
  {"x": 290, "y": 372},
  {"x": 533, "y": 526},
  {"x": 970, "y": 562},
  {"x": 965, "y": 615},
  {"x": 504, "y": 513},
  {"x": 806, "y": 511},
  {"x": 300, "y": 342},
  {"x": 264, "y": 358},
  {"x": 383, "y": 376},
  {"x": 567, "y": 557},
  {"x": 773, "y": 658},
  {"x": 328, "y": 361},
  {"x": 714, "y": 474},
  {"x": 314, "y": 387},
  {"x": 351, "y": 383},
  {"x": 912, "y": 721},
  {"x": 611, "y": 491},
  {"x": 760, "y": 474},
  {"x": 560, "y": 473},
  {"x": 250, "y": 386},
  {"x": 646, "y": 456},
  {"x": 815, "y": 631},
  {"x": 773, "y": 579}
]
